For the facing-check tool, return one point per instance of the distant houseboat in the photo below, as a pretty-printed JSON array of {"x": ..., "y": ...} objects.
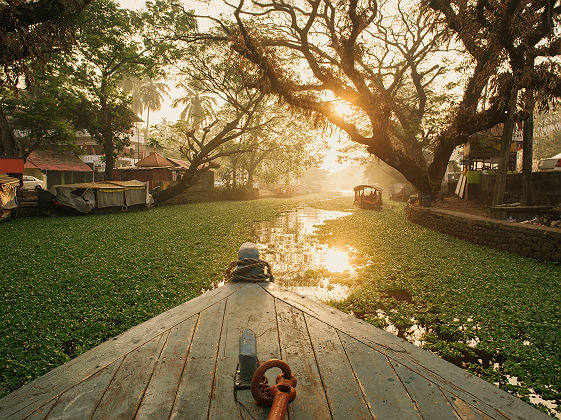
[{"x": 368, "y": 197}]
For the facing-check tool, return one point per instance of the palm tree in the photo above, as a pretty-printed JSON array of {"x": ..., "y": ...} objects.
[
  {"x": 147, "y": 94},
  {"x": 199, "y": 108}
]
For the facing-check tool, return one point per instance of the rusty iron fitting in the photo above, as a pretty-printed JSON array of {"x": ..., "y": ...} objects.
[
  {"x": 282, "y": 396},
  {"x": 286, "y": 382}
]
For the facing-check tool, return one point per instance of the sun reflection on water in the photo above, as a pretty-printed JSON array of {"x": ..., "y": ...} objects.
[
  {"x": 299, "y": 261},
  {"x": 335, "y": 260}
]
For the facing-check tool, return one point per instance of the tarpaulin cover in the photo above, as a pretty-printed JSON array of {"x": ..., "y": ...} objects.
[
  {"x": 135, "y": 196},
  {"x": 8, "y": 199},
  {"x": 110, "y": 197},
  {"x": 85, "y": 196},
  {"x": 78, "y": 197},
  {"x": 135, "y": 192},
  {"x": 8, "y": 187}
]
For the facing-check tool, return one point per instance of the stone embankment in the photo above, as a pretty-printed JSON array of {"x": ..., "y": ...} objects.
[{"x": 539, "y": 242}]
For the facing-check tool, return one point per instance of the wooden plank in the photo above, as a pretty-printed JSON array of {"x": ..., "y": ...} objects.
[
  {"x": 386, "y": 395},
  {"x": 297, "y": 351},
  {"x": 162, "y": 389},
  {"x": 193, "y": 395},
  {"x": 124, "y": 393},
  {"x": 343, "y": 392},
  {"x": 42, "y": 411},
  {"x": 430, "y": 401},
  {"x": 31, "y": 396},
  {"x": 80, "y": 401},
  {"x": 251, "y": 308},
  {"x": 484, "y": 396},
  {"x": 464, "y": 410}
]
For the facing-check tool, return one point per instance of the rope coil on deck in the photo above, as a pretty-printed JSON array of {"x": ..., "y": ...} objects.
[{"x": 243, "y": 269}]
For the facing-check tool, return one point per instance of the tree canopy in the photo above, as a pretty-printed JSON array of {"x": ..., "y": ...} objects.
[
  {"x": 114, "y": 45},
  {"x": 387, "y": 62}
]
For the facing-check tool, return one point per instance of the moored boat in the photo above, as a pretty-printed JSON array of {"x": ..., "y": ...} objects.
[
  {"x": 8, "y": 200},
  {"x": 94, "y": 197}
]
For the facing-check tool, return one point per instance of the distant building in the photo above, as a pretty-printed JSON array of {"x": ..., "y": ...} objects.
[
  {"x": 57, "y": 165},
  {"x": 159, "y": 171},
  {"x": 93, "y": 151}
]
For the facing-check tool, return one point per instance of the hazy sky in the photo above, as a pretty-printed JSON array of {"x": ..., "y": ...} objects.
[{"x": 215, "y": 8}]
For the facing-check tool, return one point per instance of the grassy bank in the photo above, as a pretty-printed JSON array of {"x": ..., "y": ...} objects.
[
  {"x": 491, "y": 312},
  {"x": 70, "y": 283}
]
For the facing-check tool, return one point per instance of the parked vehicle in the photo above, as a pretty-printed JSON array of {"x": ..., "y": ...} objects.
[
  {"x": 550, "y": 164},
  {"x": 32, "y": 183}
]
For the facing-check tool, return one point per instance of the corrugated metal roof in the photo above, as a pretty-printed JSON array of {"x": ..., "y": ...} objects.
[{"x": 180, "y": 163}]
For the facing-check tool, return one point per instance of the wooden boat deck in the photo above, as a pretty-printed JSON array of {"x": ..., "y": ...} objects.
[{"x": 182, "y": 364}]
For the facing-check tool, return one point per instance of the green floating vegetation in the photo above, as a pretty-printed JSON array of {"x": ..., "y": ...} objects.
[
  {"x": 494, "y": 313},
  {"x": 70, "y": 283}
]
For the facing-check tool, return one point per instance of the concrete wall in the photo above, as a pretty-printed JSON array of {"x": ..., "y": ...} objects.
[
  {"x": 541, "y": 243},
  {"x": 546, "y": 188}
]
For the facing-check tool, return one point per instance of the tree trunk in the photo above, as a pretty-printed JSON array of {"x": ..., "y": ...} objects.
[
  {"x": 250, "y": 178},
  {"x": 413, "y": 168},
  {"x": 189, "y": 179},
  {"x": 234, "y": 176},
  {"x": 500, "y": 179},
  {"x": 8, "y": 141},
  {"x": 107, "y": 135},
  {"x": 447, "y": 142},
  {"x": 527, "y": 146},
  {"x": 147, "y": 130}
]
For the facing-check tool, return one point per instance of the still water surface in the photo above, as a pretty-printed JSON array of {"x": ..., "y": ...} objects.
[{"x": 299, "y": 261}]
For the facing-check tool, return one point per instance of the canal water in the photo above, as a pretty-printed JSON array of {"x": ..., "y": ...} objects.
[{"x": 299, "y": 261}]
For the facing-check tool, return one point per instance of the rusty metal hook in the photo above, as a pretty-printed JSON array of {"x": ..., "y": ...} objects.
[{"x": 285, "y": 383}]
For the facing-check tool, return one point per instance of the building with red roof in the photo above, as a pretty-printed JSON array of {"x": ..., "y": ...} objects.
[{"x": 56, "y": 166}]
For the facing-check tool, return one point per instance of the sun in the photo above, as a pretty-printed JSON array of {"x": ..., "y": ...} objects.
[{"x": 343, "y": 109}]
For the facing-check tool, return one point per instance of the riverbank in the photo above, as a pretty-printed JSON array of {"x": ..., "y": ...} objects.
[{"x": 488, "y": 311}]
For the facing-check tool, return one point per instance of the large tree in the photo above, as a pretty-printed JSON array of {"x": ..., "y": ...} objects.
[
  {"x": 211, "y": 70},
  {"x": 386, "y": 70},
  {"x": 278, "y": 151},
  {"x": 29, "y": 32},
  {"x": 114, "y": 44},
  {"x": 41, "y": 113}
]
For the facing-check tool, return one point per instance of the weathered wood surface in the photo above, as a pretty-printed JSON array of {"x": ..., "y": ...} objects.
[{"x": 182, "y": 364}]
